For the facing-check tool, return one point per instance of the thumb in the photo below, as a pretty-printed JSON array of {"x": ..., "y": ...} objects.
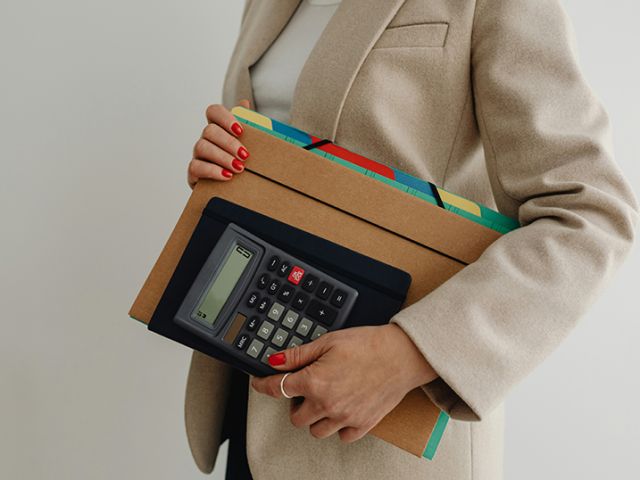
[
  {"x": 297, "y": 357},
  {"x": 245, "y": 103}
]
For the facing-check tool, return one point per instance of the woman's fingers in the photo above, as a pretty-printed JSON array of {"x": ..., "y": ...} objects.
[
  {"x": 220, "y": 115},
  {"x": 325, "y": 427},
  {"x": 201, "y": 169},
  {"x": 351, "y": 434},
  {"x": 219, "y": 144},
  {"x": 297, "y": 357},
  {"x": 305, "y": 413},
  {"x": 209, "y": 152},
  {"x": 297, "y": 384},
  {"x": 218, "y": 136}
]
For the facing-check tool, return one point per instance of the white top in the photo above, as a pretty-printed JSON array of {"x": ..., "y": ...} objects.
[{"x": 275, "y": 75}]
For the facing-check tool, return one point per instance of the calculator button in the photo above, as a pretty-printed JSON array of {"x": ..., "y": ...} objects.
[
  {"x": 295, "y": 275},
  {"x": 318, "y": 331},
  {"x": 263, "y": 281},
  {"x": 255, "y": 348},
  {"x": 253, "y": 299},
  {"x": 295, "y": 342},
  {"x": 273, "y": 263},
  {"x": 324, "y": 290},
  {"x": 276, "y": 311},
  {"x": 286, "y": 292},
  {"x": 300, "y": 300},
  {"x": 322, "y": 313},
  {"x": 309, "y": 282},
  {"x": 283, "y": 269},
  {"x": 265, "y": 330},
  {"x": 338, "y": 298},
  {"x": 266, "y": 354},
  {"x": 242, "y": 341},
  {"x": 304, "y": 327},
  {"x": 279, "y": 337},
  {"x": 263, "y": 305},
  {"x": 290, "y": 319},
  {"x": 273, "y": 287},
  {"x": 252, "y": 324}
]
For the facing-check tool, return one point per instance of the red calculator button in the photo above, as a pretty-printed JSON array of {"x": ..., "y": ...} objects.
[{"x": 295, "y": 275}]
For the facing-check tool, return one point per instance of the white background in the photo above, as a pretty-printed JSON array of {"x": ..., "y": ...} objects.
[{"x": 100, "y": 103}]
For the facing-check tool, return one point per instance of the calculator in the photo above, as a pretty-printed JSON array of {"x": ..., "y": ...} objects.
[{"x": 251, "y": 299}]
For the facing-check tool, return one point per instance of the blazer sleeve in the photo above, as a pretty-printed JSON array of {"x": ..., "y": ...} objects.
[{"x": 548, "y": 152}]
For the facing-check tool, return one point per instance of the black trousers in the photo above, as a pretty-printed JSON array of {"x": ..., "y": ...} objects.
[{"x": 234, "y": 428}]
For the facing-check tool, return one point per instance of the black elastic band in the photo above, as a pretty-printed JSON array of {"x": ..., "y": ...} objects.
[
  {"x": 317, "y": 144},
  {"x": 434, "y": 189},
  {"x": 436, "y": 194}
]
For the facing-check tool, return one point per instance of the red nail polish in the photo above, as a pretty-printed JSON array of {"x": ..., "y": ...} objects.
[
  {"x": 227, "y": 173},
  {"x": 237, "y": 164},
  {"x": 236, "y": 128},
  {"x": 242, "y": 153},
  {"x": 277, "y": 359}
]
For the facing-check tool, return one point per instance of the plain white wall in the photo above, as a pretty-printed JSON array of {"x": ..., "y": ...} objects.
[{"x": 100, "y": 103}]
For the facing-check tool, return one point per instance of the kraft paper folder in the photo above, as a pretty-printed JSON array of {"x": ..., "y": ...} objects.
[{"x": 316, "y": 194}]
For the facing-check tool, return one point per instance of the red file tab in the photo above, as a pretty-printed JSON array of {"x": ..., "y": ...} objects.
[{"x": 295, "y": 275}]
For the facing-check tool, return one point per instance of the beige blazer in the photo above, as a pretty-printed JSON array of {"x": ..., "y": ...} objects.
[{"x": 484, "y": 98}]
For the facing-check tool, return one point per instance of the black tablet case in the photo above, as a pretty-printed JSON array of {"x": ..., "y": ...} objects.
[{"x": 382, "y": 288}]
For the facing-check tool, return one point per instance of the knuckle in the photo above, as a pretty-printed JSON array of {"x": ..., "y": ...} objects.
[
  {"x": 273, "y": 389},
  {"x": 208, "y": 131},
  {"x": 346, "y": 435},
  {"x": 231, "y": 144},
  {"x": 192, "y": 168},
  {"x": 200, "y": 147},
  {"x": 308, "y": 384},
  {"x": 211, "y": 110},
  {"x": 322, "y": 387},
  {"x": 296, "y": 421},
  {"x": 341, "y": 413},
  {"x": 295, "y": 355},
  {"x": 328, "y": 407}
]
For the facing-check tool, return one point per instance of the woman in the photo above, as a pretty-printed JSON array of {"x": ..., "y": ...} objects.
[{"x": 484, "y": 98}]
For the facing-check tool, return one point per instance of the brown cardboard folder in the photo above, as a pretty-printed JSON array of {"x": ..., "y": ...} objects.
[{"x": 298, "y": 187}]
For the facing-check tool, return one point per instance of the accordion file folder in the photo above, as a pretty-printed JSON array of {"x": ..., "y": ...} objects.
[
  {"x": 328, "y": 199},
  {"x": 392, "y": 176}
]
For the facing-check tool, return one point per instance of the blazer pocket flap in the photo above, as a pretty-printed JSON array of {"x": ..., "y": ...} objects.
[{"x": 418, "y": 35}]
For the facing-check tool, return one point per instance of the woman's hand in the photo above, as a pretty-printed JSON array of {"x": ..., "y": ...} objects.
[
  {"x": 218, "y": 153},
  {"x": 351, "y": 379}
]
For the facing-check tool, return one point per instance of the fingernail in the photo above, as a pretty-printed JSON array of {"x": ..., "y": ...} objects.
[
  {"x": 227, "y": 173},
  {"x": 237, "y": 164},
  {"x": 242, "y": 153},
  {"x": 277, "y": 359},
  {"x": 236, "y": 128}
]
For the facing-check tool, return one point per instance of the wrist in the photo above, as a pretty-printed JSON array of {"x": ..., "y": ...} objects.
[{"x": 414, "y": 366}]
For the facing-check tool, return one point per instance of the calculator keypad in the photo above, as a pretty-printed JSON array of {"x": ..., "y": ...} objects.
[
  {"x": 290, "y": 307},
  {"x": 309, "y": 282},
  {"x": 324, "y": 290},
  {"x": 290, "y": 319},
  {"x": 265, "y": 330},
  {"x": 286, "y": 293},
  {"x": 255, "y": 348}
]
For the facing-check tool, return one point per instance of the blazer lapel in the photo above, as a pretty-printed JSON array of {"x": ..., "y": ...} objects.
[
  {"x": 269, "y": 19},
  {"x": 326, "y": 77},
  {"x": 333, "y": 63}
]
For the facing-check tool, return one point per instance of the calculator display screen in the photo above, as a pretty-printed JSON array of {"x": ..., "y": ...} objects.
[{"x": 215, "y": 298}]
